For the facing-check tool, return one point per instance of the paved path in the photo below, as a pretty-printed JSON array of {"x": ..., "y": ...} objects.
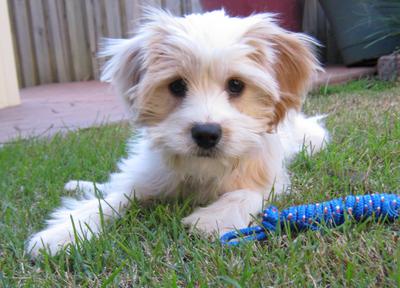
[
  {"x": 63, "y": 107},
  {"x": 51, "y": 108}
]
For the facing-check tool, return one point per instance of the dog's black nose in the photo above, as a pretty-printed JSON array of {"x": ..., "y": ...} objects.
[{"x": 206, "y": 135}]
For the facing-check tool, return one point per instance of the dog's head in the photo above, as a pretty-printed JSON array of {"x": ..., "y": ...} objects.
[{"x": 210, "y": 85}]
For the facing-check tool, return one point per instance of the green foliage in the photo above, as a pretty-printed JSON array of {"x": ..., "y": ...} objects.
[
  {"x": 389, "y": 16},
  {"x": 150, "y": 248}
]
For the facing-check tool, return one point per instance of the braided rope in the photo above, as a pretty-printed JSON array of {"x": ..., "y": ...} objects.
[{"x": 311, "y": 216}]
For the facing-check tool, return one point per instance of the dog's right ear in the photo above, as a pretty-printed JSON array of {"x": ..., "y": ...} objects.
[
  {"x": 129, "y": 59},
  {"x": 124, "y": 69}
]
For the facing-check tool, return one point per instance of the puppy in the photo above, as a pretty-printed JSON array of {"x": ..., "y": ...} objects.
[{"x": 216, "y": 101}]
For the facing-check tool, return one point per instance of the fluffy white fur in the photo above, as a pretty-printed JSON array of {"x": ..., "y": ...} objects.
[{"x": 262, "y": 128}]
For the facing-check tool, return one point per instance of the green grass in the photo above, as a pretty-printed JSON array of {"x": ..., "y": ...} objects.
[
  {"x": 363, "y": 84},
  {"x": 149, "y": 247}
]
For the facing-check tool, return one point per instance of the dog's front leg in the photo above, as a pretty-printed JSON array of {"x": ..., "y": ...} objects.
[
  {"x": 141, "y": 176},
  {"x": 233, "y": 210}
]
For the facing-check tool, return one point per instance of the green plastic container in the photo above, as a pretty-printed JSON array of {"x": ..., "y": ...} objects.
[{"x": 357, "y": 24}]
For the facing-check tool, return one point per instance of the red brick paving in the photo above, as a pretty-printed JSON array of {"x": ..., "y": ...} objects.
[
  {"x": 63, "y": 107},
  {"x": 341, "y": 74}
]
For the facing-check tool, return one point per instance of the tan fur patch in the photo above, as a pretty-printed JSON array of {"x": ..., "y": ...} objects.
[
  {"x": 157, "y": 106},
  {"x": 249, "y": 173},
  {"x": 289, "y": 57},
  {"x": 255, "y": 104},
  {"x": 294, "y": 70}
]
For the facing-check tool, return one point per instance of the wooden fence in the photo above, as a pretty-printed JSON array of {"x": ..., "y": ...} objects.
[
  {"x": 316, "y": 25},
  {"x": 57, "y": 40}
]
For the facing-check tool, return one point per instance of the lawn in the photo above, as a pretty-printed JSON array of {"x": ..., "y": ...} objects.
[{"x": 150, "y": 248}]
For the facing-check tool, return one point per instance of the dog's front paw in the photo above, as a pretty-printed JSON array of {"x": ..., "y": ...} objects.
[
  {"x": 52, "y": 239},
  {"x": 213, "y": 223},
  {"x": 202, "y": 222},
  {"x": 232, "y": 210},
  {"x": 72, "y": 185}
]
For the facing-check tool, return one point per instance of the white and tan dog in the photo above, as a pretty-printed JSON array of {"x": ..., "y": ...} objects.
[{"x": 216, "y": 100}]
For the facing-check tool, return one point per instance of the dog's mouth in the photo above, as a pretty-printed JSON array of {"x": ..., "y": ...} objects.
[{"x": 207, "y": 153}]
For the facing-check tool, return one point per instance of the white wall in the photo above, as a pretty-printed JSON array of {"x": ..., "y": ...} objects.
[{"x": 9, "y": 94}]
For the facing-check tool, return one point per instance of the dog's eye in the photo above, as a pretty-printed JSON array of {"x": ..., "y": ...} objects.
[
  {"x": 178, "y": 88},
  {"x": 235, "y": 87}
]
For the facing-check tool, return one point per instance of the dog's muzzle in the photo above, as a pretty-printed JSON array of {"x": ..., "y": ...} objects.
[{"x": 206, "y": 135}]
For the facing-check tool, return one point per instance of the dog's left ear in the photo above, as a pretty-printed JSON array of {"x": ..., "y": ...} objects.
[
  {"x": 289, "y": 57},
  {"x": 295, "y": 65}
]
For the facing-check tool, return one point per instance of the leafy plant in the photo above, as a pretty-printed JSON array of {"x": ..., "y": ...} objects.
[{"x": 389, "y": 17}]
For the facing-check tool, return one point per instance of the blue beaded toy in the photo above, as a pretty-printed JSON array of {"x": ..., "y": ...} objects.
[{"x": 310, "y": 216}]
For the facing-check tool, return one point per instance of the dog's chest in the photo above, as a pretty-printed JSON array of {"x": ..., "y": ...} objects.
[{"x": 200, "y": 191}]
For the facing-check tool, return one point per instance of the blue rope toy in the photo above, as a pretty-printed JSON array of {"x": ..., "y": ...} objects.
[{"x": 332, "y": 213}]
